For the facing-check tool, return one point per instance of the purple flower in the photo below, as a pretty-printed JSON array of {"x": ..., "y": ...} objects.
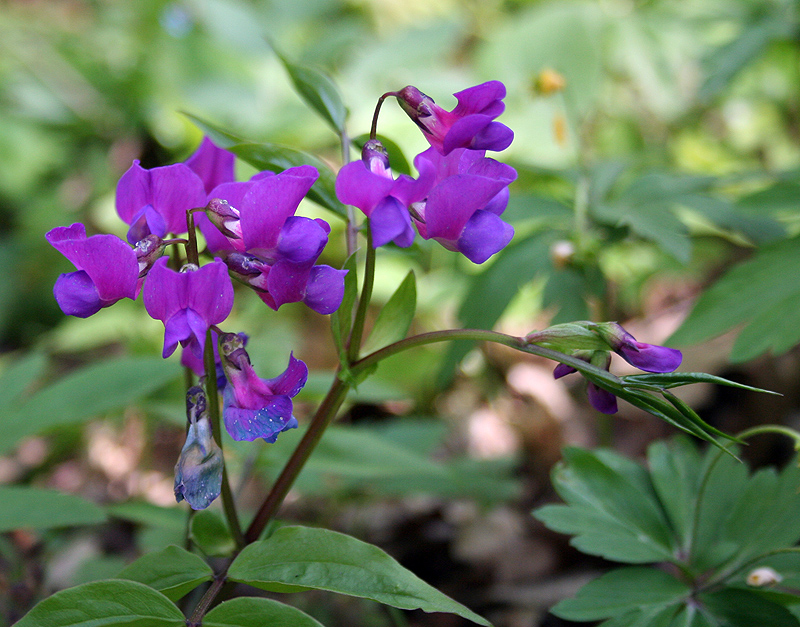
[
  {"x": 107, "y": 270},
  {"x": 156, "y": 201},
  {"x": 212, "y": 164},
  {"x": 602, "y": 400},
  {"x": 368, "y": 185},
  {"x": 198, "y": 473},
  {"x": 470, "y": 125},
  {"x": 254, "y": 407},
  {"x": 647, "y": 357},
  {"x": 188, "y": 302},
  {"x": 277, "y": 251},
  {"x": 462, "y": 210}
]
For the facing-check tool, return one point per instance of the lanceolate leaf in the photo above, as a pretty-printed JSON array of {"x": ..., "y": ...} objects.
[
  {"x": 301, "y": 558},
  {"x": 108, "y": 603},
  {"x": 35, "y": 508},
  {"x": 254, "y": 612},
  {"x": 395, "y": 317},
  {"x": 319, "y": 91},
  {"x": 172, "y": 571}
]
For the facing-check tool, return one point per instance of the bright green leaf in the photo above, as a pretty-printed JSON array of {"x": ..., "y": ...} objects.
[
  {"x": 319, "y": 91},
  {"x": 395, "y": 317},
  {"x": 302, "y": 558},
  {"x": 35, "y": 508},
  {"x": 255, "y": 612},
  {"x": 173, "y": 571},
  {"x": 108, "y": 603},
  {"x": 211, "y": 534}
]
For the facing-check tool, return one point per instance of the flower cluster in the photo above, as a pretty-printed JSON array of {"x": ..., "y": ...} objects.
[
  {"x": 459, "y": 195},
  {"x": 593, "y": 343},
  {"x": 252, "y": 234}
]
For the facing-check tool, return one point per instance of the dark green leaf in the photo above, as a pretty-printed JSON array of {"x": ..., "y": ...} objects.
[
  {"x": 108, "y": 603},
  {"x": 623, "y": 590},
  {"x": 254, "y": 612},
  {"x": 173, "y": 518},
  {"x": 302, "y": 558},
  {"x": 395, "y": 317},
  {"x": 172, "y": 571},
  {"x": 84, "y": 394},
  {"x": 566, "y": 292},
  {"x": 18, "y": 376},
  {"x": 397, "y": 160},
  {"x": 652, "y": 616},
  {"x": 35, "y": 508},
  {"x": 211, "y": 534},
  {"x": 319, "y": 92},
  {"x": 743, "y": 608},
  {"x": 670, "y": 380}
]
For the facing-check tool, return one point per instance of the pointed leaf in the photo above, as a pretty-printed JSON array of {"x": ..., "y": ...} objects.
[
  {"x": 211, "y": 534},
  {"x": 301, "y": 558},
  {"x": 319, "y": 91},
  {"x": 17, "y": 376},
  {"x": 745, "y": 608},
  {"x": 395, "y": 316},
  {"x": 173, "y": 571},
  {"x": 35, "y": 508},
  {"x": 113, "y": 602},
  {"x": 254, "y": 612}
]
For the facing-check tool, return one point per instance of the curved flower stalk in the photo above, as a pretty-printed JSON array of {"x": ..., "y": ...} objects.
[
  {"x": 254, "y": 407},
  {"x": 156, "y": 201},
  {"x": 188, "y": 302},
  {"x": 198, "y": 473},
  {"x": 107, "y": 269},
  {"x": 470, "y": 125}
]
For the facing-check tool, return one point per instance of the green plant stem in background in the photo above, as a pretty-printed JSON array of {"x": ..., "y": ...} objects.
[
  {"x": 228, "y": 504},
  {"x": 357, "y": 333},
  {"x": 192, "y": 255}
]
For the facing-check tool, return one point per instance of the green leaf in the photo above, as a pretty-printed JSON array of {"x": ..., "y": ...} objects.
[
  {"x": 651, "y": 616},
  {"x": 84, "y": 394},
  {"x": 109, "y": 603},
  {"x": 173, "y": 571},
  {"x": 763, "y": 292},
  {"x": 342, "y": 318},
  {"x": 623, "y": 590},
  {"x": 254, "y": 612},
  {"x": 397, "y": 160},
  {"x": 278, "y": 158},
  {"x": 18, "y": 376},
  {"x": 35, "y": 508},
  {"x": 301, "y": 558},
  {"x": 745, "y": 608},
  {"x": 395, "y": 317},
  {"x": 173, "y": 518},
  {"x": 319, "y": 91},
  {"x": 668, "y": 380},
  {"x": 211, "y": 534}
]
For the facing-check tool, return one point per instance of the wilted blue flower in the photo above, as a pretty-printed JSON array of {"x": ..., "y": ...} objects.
[{"x": 198, "y": 473}]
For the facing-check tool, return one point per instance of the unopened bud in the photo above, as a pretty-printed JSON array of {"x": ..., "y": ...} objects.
[
  {"x": 232, "y": 352},
  {"x": 548, "y": 81},
  {"x": 417, "y": 105},
  {"x": 567, "y": 337},
  {"x": 375, "y": 157},
  {"x": 224, "y": 217},
  {"x": 148, "y": 250},
  {"x": 562, "y": 253},
  {"x": 763, "y": 576}
]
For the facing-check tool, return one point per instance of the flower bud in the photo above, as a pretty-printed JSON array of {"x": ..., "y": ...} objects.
[
  {"x": 417, "y": 105},
  {"x": 763, "y": 576},
  {"x": 198, "y": 473},
  {"x": 568, "y": 337},
  {"x": 148, "y": 250},
  {"x": 647, "y": 357},
  {"x": 224, "y": 217},
  {"x": 375, "y": 157},
  {"x": 548, "y": 82}
]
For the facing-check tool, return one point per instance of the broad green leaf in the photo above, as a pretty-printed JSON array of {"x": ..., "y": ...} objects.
[
  {"x": 211, "y": 534},
  {"x": 395, "y": 317},
  {"x": 173, "y": 518},
  {"x": 319, "y": 91},
  {"x": 84, "y": 394},
  {"x": 301, "y": 558},
  {"x": 18, "y": 376},
  {"x": 397, "y": 160},
  {"x": 652, "y": 616},
  {"x": 762, "y": 292},
  {"x": 173, "y": 571},
  {"x": 22, "y": 507},
  {"x": 255, "y": 612},
  {"x": 623, "y": 590},
  {"x": 567, "y": 293},
  {"x": 781, "y": 198},
  {"x": 745, "y": 608},
  {"x": 113, "y": 602},
  {"x": 279, "y": 158},
  {"x": 720, "y": 211}
]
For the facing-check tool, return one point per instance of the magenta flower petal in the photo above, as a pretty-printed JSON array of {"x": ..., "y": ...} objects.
[
  {"x": 169, "y": 190},
  {"x": 486, "y": 98},
  {"x": 391, "y": 222},
  {"x": 287, "y": 282},
  {"x": 651, "y": 358},
  {"x": 325, "y": 289},
  {"x": 484, "y": 235},
  {"x": 212, "y": 164},
  {"x": 76, "y": 294},
  {"x": 357, "y": 186},
  {"x": 292, "y": 380},
  {"x": 453, "y": 202},
  {"x": 602, "y": 400},
  {"x": 562, "y": 370},
  {"x": 302, "y": 239}
]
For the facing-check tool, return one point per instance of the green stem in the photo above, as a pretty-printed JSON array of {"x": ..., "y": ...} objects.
[
  {"x": 749, "y": 563},
  {"x": 228, "y": 504},
  {"x": 351, "y": 232},
  {"x": 357, "y": 332},
  {"x": 192, "y": 256},
  {"x": 324, "y": 416}
]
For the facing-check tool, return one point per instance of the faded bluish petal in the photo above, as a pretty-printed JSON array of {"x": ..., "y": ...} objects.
[
  {"x": 391, "y": 222},
  {"x": 266, "y": 422},
  {"x": 76, "y": 295},
  {"x": 302, "y": 239},
  {"x": 212, "y": 164},
  {"x": 325, "y": 289},
  {"x": 484, "y": 235},
  {"x": 269, "y": 202},
  {"x": 602, "y": 400},
  {"x": 170, "y": 191},
  {"x": 291, "y": 380},
  {"x": 198, "y": 473}
]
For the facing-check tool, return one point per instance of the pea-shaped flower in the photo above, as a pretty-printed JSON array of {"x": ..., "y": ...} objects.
[
  {"x": 254, "y": 407},
  {"x": 212, "y": 164},
  {"x": 188, "y": 302}
]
